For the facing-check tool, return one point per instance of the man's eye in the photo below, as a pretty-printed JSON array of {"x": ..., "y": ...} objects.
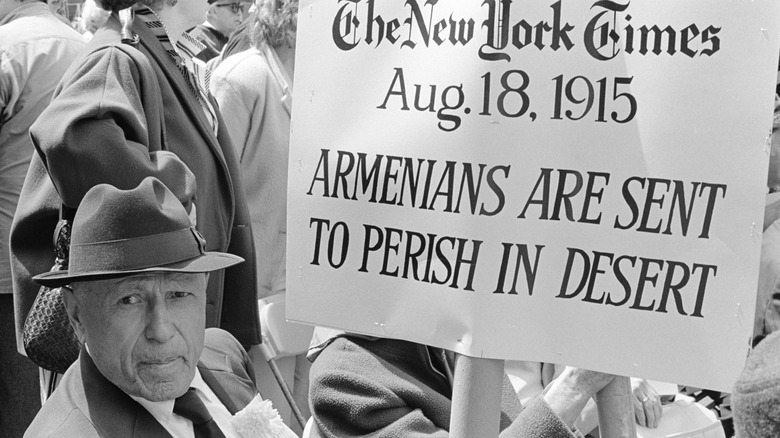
[
  {"x": 131, "y": 299},
  {"x": 179, "y": 294}
]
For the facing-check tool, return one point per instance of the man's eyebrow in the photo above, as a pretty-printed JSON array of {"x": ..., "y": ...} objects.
[
  {"x": 180, "y": 277},
  {"x": 124, "y": 286}
]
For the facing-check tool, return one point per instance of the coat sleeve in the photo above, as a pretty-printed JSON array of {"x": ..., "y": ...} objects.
[
  {"x": 99, "y": 128},
  {"x": 385, "y": 389},
  {"x": 355, "y": 392}
]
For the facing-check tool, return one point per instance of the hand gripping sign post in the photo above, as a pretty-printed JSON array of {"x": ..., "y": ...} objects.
[{"x": 579, "y": 183}]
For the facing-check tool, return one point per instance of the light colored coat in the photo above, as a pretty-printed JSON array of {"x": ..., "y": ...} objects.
[{"x": 254, "y": 93}]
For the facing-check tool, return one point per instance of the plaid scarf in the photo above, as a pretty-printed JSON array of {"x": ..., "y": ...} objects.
[{"x": 195, "y": 73}]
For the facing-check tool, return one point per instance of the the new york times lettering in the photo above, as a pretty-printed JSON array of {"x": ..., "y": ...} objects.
[{"x": 611, "y": 30}]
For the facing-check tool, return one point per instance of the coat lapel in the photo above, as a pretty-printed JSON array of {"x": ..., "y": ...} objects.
[
  {"x": 218, "y": 389},
  {"x": 180, "y": 87}
]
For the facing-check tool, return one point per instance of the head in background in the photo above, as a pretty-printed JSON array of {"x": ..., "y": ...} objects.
[
  {"x": 93, "y": 16},
  {"x": 226, "y": 15},
  {"x": 275, "y": 23}
]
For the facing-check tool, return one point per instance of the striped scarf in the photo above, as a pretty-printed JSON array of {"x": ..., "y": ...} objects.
[{"x": 196, "y": 75}]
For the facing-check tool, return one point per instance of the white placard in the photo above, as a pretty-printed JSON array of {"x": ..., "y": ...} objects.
[{"x": 571, "y": 182}]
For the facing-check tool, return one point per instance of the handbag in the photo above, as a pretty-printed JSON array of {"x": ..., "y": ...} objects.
[{"x": 49, "y": 339}]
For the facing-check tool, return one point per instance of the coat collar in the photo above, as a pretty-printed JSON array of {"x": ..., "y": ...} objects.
[
  {"x": 218, "y": 389},
  {"x": 175, "y": 78}
]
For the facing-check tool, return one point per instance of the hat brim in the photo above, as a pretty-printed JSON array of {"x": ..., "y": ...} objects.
[{"x": 208, "y": 262}]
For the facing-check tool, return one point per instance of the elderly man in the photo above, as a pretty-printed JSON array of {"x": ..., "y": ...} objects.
[{"x": 148, "y": 368}]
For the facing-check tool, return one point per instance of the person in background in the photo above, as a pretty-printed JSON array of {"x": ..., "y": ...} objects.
[
  {"x": 136, "y": 92},
  {"x": 222, "y": 18},
  {"x": 35, "y": 50},
  {"x": 148, "y": 367},
  {"x": 238, "y": 41},
  {"x": 254, "y": 92}
]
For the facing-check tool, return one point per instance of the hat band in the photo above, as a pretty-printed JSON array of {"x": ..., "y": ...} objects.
[{"x": 136, "y": 253}]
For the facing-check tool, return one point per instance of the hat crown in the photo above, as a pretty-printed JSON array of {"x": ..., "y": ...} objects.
[{"x": 108, "y": 214}]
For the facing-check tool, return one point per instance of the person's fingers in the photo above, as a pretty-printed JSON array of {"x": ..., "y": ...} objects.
[
  {"x": 659, "y": 411},
  {"x": 650, "y": 414},
  {"x": 639, "y": 413}
]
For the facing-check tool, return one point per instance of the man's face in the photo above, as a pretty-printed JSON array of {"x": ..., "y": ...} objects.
[
  {"x": 227, "y": 15},
  {"x": 145, "y": 332}
]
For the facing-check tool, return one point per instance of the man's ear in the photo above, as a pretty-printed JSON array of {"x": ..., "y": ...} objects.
[
  {"x": 211, "y": 12},
  {"x": 73, "y": 307}
]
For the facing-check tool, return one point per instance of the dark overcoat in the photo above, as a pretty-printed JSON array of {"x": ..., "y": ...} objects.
[{"x": 116, "y": 105}]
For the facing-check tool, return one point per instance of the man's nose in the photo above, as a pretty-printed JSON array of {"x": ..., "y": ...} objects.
[{"x": 159, "y": 325}]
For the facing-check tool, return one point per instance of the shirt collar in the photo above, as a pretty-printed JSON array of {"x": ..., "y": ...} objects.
[{"x": 31, "y": 9}]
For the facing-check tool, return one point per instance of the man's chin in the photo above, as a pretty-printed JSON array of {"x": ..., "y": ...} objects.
[
  {"x": 165, "y": 381},
  {"x": 162, "y": 391}
]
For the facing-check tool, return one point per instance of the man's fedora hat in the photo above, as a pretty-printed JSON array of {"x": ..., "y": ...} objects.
[{"x": 118, "y": 233}]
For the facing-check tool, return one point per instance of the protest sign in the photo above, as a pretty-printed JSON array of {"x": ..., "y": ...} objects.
[{"x": 570, "y": 182}]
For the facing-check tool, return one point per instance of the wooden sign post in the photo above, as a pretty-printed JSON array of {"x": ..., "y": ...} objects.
[
  {"x": 476, "y": 397},
  {"x": 616, "y": 414}
]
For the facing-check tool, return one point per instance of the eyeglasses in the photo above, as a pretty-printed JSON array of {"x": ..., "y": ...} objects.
[{"x": 236, "y": 8}]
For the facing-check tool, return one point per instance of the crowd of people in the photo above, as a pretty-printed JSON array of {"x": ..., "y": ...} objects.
[{"x": 159, "y": 131}]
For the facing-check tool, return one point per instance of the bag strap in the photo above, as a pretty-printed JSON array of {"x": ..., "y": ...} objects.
[
  {"x": 62, "y": 237},
  {"x": 126, "y": 17},
  {"x": 130, "y": 42}
]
